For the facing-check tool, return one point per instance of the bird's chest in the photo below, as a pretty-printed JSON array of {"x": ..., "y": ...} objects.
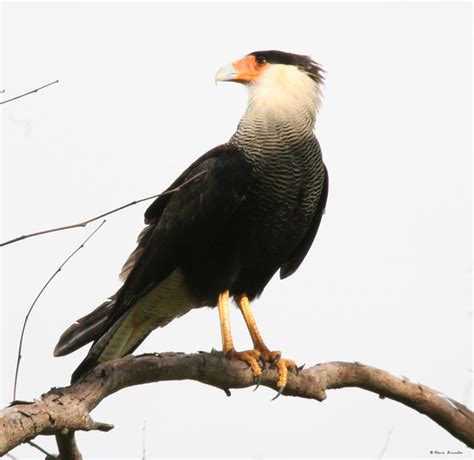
[{"x": 279, "y": 206}]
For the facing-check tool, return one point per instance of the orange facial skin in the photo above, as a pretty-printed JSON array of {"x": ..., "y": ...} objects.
[{"x": 248, "y": 69}]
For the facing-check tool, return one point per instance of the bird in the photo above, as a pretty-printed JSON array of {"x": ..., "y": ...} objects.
[{"x": 240, "y": 213}]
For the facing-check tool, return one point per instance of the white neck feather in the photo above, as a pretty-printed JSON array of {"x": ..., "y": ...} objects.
[{"x": 286, "y": 94}]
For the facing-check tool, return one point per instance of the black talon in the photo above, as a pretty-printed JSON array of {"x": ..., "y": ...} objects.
[
  {"x": 256, "y": 382},
  {"x": 301, "y": 367},
  {"x": 261, "y": 362},
  {"x": 227, "y": 392},
  {"x": 274, "y": 362},
  {"x": 280, "y": 392}
]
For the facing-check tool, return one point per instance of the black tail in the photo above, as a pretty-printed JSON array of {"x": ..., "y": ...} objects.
[{"x": 86, "y": 329}]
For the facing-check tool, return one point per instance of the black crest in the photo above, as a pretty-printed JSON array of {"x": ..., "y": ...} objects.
[{"x": 312, "y": 68}]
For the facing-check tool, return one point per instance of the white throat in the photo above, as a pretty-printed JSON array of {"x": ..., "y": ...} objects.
[{"x": 285, "y": 94}]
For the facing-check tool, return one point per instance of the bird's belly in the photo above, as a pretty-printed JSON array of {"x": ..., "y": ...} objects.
[
  {"x": 277, "y": 226},
  {"x": 272, "y": 244}
]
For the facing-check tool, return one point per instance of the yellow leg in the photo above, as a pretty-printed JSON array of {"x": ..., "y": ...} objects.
[
  {"x": 226, "y": 334},
  {"x": 250, "y": 356},
  {"x": 257, "y": 340},
  {"x": 270, "y": 356}
]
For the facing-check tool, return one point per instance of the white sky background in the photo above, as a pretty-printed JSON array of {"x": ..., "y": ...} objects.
[{"x": 387, "y": 282}]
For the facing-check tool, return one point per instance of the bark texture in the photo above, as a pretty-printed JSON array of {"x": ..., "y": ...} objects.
[{"x": 61, "y": 411}]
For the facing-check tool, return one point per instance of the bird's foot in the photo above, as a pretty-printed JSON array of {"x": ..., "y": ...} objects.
[
  {"x": 256, "y": 360},
  {"x": 251, "y": 357},
  {"x": 282, "y": 365}
]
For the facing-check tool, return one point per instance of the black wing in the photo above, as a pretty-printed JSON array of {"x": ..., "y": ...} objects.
[
  {"x": 302, "y": 249},
  {"x": 179, "y": 219},
  {"x": 176, "y": 221}
]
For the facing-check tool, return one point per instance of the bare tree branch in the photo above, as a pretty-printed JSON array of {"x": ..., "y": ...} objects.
[
  {"x": 29, "y": 92},
  {"x": 18, "y": 358},
  {"x": 69, "y": 408},
  {"x": 105, "y": 214}
]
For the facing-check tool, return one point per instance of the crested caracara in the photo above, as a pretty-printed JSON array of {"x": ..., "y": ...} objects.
[{"x": 253, "y": 208}]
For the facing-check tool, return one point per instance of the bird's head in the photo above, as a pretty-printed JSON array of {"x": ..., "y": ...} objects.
[
  {"x": 260, "y": 65},
  {"x": 277, "y": 81}
]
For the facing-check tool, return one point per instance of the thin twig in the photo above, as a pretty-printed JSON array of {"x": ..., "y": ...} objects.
[
  {"x": 144, "y": 441},
  {"x": 29, "y": 92},
  {"x": 88, "y": 221},
  {"x": 17, "y": 369},
  {"x": 48, "y": 455},
  {"x": 385, "y": 446}
]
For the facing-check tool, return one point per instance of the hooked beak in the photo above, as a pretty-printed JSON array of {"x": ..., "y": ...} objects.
[{"x": 226, "y": 73}]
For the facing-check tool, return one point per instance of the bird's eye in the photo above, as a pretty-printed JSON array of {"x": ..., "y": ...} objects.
[{"x": 261, "y": 60}]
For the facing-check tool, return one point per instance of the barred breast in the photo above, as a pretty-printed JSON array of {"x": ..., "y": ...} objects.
[{"x": 289, "y": 173}]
